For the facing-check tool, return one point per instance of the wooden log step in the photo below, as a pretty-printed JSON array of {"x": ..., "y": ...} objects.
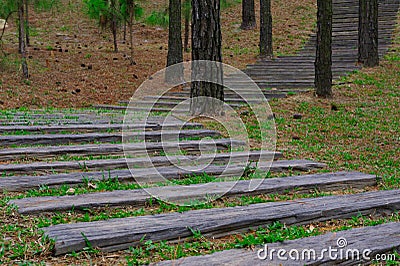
[
  {"x": 53, "y": 139},
  {"x": 109, "y": 164},
  {"x": 97, "y": 127},
  {"x": 150, "y": 119},
  {"x": 136, "y": 109},
  {"x": 60, "y": 116},
  {"x": 301, "y": 184},
  {"x": 169, "y": 104},
  {"x": 23, "y": 183},
  {"x": 305, "y": 58},
  {"x": 249, "y": 92},
  {"x": 178, "y": 110},
  {"x": 137, "y": 149},
  {"x": 56, "y": 122},
  {"x": 184, "y": 98},
  {"x": 379, "y": 239},
  {"x": 273, "y": 73},
  {"x": 289, "y": 67},
  {"x": 244, "y": 90},
  {"x": 118, "y": 234},
  {"x": 181, "y": 109},
  {"x": 249, "y": 95}
]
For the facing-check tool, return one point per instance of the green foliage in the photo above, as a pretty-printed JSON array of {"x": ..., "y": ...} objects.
[
  {"x": 277, "y": 232},
  {"x": 9, "y": 63},
  {"x": 96, "y": 8},
  {"x": 7, "y": 7},
  {"x": 158, "y": 18},
  {"x": 124, "y": 10},
  {"x": 229, "y": 3},
  {"x": 100, "y": 10},
  {"x": 186, "y": 8},
  {"x": 45, "y": 5}
]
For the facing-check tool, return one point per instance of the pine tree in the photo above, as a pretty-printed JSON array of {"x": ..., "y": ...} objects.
[
  {"x": 323, "y": 61},
  {"x": 266, "y": 50},
  {"x": 248, "y": 15},
  {"x": 206, "y": 45},
  {"x": 368, "y": 54}
]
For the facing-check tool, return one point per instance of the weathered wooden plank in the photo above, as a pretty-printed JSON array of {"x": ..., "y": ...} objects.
[
  {"x": 169, "y": 104},
  {"x": 139, "y": 197},
  {"x": 98, "y": 127},
  {"x": 22, "y": 183},
  {"x": 55, "y": 122},
  {"x": 117, "y": 234},
  {"x": 52, "y": 139},
  {"x": 379, "y": 239},
  {"x": 41, "y": 167},
  {"x": 136, "y": 149}
]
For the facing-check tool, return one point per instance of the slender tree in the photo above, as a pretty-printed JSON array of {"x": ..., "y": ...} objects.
[
  {"x": 368, "y": 33},
  {"x": 108, "y": 14},
  {"x": 187, "y": 9},
  {"x": 175, "y": 53},
  {"x": 248, "y": 15},
  {"x": 21, "y": 37},
  {"x": 323, "y": 61},
  {"x": 27, "y": 27},
  {"x": 114, "y": 23},
  {"x": 206, "y": 45},
  {"x": 266, "y": 50},
  {"x": 131, "y": 18}
]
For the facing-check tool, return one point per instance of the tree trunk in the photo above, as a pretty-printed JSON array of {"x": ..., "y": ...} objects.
[
  {"x": 124, "y": 33},
  {"x": 114, "y": 25},
  {"x": 323, "y": 61},
  {"x": 206, "y": 45},
  {"x": 187, "y": 12},
  {"x": 248, "y": 15},
  {"x": 368, "y": 33},
  {"x": 175, "y": 51},
  {"x": 28, "y": 41},
  {"x": 21, "y": 37},
  {"x": 131, "y": 11},
  {"x": 266, "y": 50}
]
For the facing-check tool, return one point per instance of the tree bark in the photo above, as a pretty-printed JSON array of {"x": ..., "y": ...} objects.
[
  {"x": 323, "y": 61},
  {"x": 21, "y": 37},
  {"x": 266, "y": 50},
  {"x": 124, "y": 33},
  {"x": 114, "y": 25},
  {"x": 206, "y": 45},
  {"x": 187, "y": 12},
  {"x": 175, "y": 50},
  {"x": 28, "y": 41},
  {"x": 368, "y": 33},
  {"x": 131, "y": 11},
  {"x": 248, "y": 15}
]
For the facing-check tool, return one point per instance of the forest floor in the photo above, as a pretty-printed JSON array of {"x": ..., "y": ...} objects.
[
  {"x": 72, "y": 63},
  {"x": 357, "y": 130}
]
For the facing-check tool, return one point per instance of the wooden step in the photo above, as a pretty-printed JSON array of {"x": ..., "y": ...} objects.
[
  {"x": 55, "y": 122},
  {"x": 52, "y": 139},
  {"x": 23, "y": 183},
  {"x": 137, "y": 149},
  {"x": 97, "y": 127},
  {"x": 118, "y": 234},
  {"x": 140, "y": 162},
  {"x": 379, "y": 239},
  {"x": 139, "y": 197}
]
